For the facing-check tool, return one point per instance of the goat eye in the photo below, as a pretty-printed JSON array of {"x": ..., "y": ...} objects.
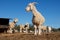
[{"x": 29, "y": 5}]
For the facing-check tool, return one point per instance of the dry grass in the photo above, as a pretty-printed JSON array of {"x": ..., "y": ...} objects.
[{"x": 23, "y": 36}]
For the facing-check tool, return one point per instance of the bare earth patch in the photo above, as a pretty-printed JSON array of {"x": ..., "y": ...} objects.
[{"x": 29, "y": 36}]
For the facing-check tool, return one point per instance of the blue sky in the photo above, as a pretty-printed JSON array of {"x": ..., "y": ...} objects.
[{"x": 50, "y": 9}]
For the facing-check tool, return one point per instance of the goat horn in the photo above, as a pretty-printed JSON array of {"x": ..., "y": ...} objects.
[{"x": 35, "y": 3}]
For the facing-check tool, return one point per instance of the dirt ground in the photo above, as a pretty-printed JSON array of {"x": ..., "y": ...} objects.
[{"x": 29, "y": 36}]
